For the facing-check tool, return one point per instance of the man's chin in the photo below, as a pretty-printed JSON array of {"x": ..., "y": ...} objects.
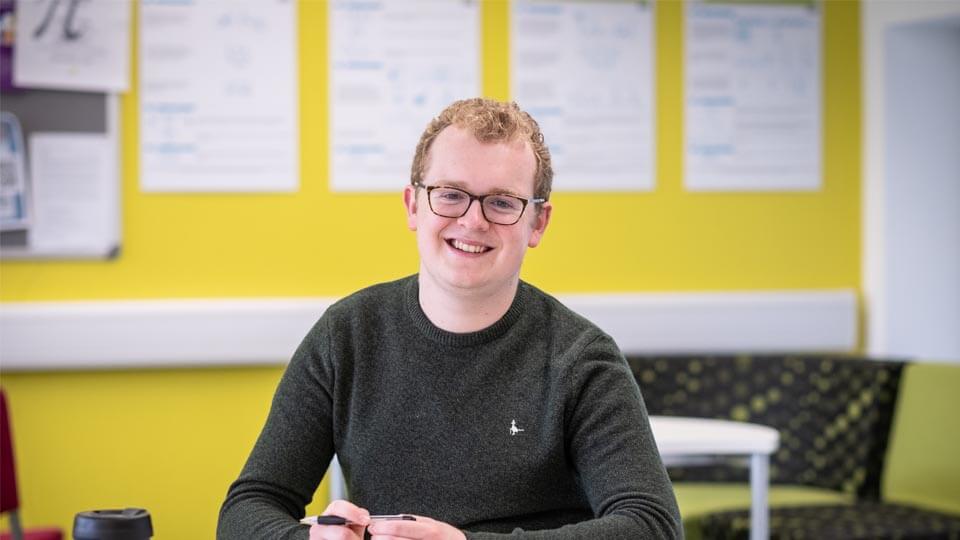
[{"x": 479, "y": 285}]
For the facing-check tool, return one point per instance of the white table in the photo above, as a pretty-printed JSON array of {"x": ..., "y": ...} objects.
[{"x": 680, "y": 438}]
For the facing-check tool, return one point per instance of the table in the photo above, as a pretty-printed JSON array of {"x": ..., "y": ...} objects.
[{"x": 681, "y": 439}]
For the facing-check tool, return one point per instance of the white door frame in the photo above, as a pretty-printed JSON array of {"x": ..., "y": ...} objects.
[{"x": 877, "y": 16}]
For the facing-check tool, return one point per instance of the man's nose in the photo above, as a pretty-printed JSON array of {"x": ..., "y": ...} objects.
[{"x": 474, "y": 217}]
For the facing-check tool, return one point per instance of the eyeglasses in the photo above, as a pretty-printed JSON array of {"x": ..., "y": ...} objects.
[{"x": 451, "y": 202}]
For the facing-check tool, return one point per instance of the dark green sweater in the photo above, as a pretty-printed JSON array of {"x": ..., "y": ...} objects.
[{"x": 423, "y": 421}]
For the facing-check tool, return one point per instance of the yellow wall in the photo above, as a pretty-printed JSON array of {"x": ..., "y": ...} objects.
[
  {"x": 194, "y": 427},
  {"x": 170, "y": 441}
]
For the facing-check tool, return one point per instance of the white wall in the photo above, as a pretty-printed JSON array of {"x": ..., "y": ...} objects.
[{"x": 912, "y": 178}]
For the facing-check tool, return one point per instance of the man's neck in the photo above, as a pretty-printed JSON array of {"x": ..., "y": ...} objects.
[{"x": 463, "y": 311}]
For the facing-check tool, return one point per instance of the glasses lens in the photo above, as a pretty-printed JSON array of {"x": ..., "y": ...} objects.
[
  {"x": 449, "y": 202},
  {"x": 502, "y": 209}
]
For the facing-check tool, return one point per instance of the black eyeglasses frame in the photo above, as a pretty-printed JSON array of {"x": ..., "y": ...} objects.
[{"x": 480, "y": 199}]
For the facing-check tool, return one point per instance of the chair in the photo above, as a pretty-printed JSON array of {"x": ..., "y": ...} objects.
[
  {"x": 9, "y": 502},
  {"x": 878, "y": 432},
  {"x": 817, "y": 402},
  {"x": 921, "y": 479},
  {"x": 833, "y": 415}
]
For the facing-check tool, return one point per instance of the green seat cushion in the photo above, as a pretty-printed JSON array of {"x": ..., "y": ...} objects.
[
  {"x": 697, "y": 499},
  {"x": 923, "y": 460}
]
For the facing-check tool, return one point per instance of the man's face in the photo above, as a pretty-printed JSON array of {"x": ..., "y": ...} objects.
[{"x": 470, "y": 254}]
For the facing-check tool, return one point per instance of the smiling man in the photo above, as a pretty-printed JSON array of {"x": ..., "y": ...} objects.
[
  {"x": 461, "y": 396},
  {"x": 470, "y": 254}
]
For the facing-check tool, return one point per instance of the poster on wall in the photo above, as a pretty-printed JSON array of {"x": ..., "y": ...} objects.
[
  {"x": 73, "y": 45},
  {"x": 753, "y": 97},
  {"x": 585, "y": 71},
  {"x": 75, "y": 194},
  {"x": 14, "y": 189},
  {"x": 218, "y": 96},
  {"x": 393, "y": 66}
]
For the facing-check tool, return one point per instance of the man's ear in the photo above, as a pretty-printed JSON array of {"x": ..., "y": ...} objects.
[
  {"x": 540, "y": 223},
  {"x": 410, "y": 202}
]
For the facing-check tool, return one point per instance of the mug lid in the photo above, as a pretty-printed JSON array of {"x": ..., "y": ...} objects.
[{"x": 114, "y": 524}]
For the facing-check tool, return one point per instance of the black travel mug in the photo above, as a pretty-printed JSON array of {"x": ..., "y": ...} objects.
[{"x": 125, "y": 524}]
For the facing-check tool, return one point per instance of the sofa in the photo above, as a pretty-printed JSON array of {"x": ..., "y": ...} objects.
[{"x": 868, "y": 447}]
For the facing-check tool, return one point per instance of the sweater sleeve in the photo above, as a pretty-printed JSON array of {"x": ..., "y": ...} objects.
[
  {"x": 291, "y": 454},
  {"x": 612, "y": 448}
]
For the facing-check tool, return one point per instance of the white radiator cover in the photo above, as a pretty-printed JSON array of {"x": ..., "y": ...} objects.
[{"x": 206, "y": 332}]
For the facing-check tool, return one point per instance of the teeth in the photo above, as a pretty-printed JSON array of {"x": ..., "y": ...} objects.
[{"x": 468, "y": 248}]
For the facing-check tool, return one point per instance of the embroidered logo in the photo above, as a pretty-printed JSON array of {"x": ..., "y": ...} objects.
[{"x": 514, "y": 429}]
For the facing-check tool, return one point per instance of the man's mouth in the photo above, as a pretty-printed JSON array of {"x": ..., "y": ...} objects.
[{"x": 469, "y": 248}]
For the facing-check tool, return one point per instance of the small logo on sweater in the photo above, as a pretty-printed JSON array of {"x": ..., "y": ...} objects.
[{"x": 513, "y": 428}]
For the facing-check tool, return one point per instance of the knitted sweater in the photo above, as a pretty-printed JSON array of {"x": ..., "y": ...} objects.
[{"x": 530, "y": 428}]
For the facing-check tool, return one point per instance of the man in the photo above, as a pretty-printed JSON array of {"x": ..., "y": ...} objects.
[{"x": 461, "y": 395}]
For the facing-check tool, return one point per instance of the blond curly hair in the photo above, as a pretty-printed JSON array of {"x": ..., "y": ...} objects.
[{"x": 490, "y": 121}]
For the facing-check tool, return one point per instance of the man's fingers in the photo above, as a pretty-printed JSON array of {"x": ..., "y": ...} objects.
[
  {"x": 335, "y": 532},
  {"x": 348, "y": 511},
  {"x": 384, "y": 530}
]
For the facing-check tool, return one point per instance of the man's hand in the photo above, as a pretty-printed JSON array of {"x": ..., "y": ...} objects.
[
  {"x": 359, "y": 518},
  {"x": 423, "y": 528}
]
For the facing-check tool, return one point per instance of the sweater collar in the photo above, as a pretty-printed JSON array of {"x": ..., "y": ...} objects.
[{"x": 455, "y": 339}]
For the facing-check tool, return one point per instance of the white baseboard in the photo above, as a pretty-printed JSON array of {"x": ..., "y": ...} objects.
[{"x": 155, "y": 333}]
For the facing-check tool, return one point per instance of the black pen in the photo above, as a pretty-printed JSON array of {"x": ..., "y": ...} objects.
[{"x": 337, "y": 520}]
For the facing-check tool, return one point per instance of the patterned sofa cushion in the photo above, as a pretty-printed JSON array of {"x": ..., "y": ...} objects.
[{"x": 833, "y": 412}]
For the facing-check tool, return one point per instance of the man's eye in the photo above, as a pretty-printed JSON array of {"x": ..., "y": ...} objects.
[
  {"x": 450, "y": 196},
  {"x": 503, "y": 203}
]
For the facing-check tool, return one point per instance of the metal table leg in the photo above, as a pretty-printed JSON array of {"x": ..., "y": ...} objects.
[{"x": 759, "y": 485}]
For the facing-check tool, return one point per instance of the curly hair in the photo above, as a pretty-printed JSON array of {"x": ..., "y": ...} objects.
[{"x": 490, "y": 121}]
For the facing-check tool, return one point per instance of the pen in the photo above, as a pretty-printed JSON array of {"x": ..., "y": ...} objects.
[{"x": 337, "y": 520}]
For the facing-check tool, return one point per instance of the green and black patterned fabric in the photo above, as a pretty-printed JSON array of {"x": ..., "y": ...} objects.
[
  {"x": 833, "y": 413},
  {"x": 861, "y": 521}
]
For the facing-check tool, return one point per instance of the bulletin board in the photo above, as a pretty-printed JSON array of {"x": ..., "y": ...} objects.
[{"x": 64, "y": 112}]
